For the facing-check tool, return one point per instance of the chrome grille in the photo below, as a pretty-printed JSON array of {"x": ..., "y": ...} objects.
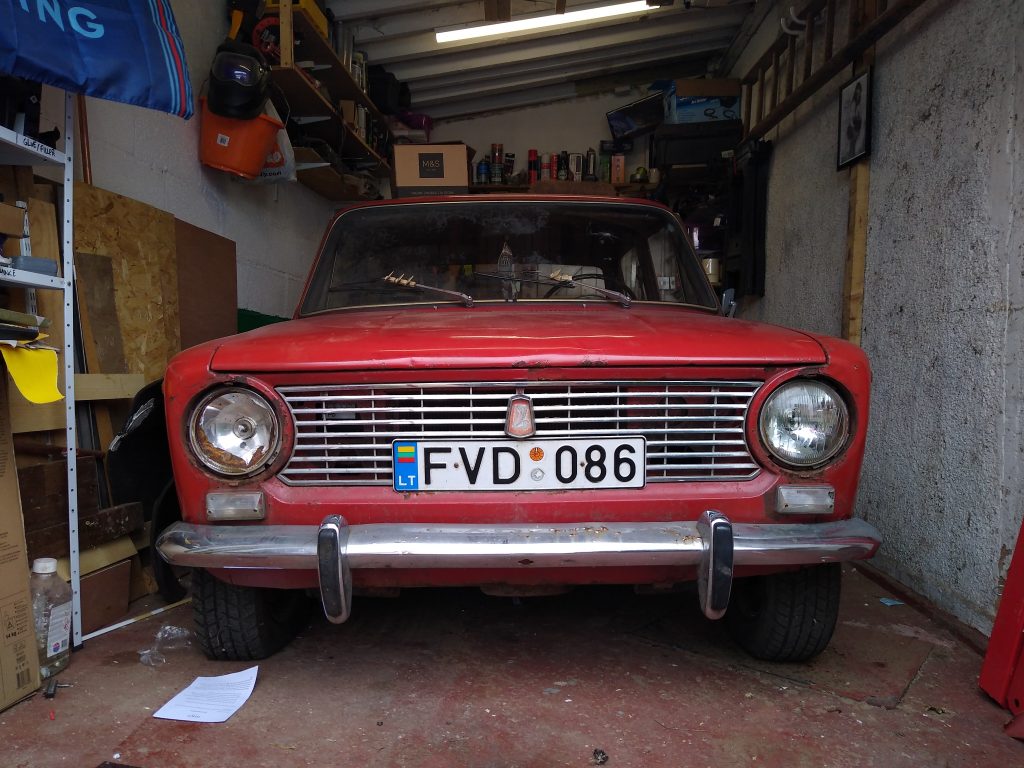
[{"x": 694, "y": 429}]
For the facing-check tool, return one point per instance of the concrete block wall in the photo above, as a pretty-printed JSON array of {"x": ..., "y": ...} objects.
[
  {"x": 944, "y": 287},
  {"x": 154, "y": 158}
]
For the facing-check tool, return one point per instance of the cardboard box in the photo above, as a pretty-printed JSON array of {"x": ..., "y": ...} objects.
[
  {"x": 347, "y": 110},
  {"x": 12, "y": 220},
  {"x": 431, "y": 169},
  {"x": 618, "y": 169},
  {"x": 708, "y": 86},
  {"x": 105, "y": 596},
  {"x": 19, "y": 659}
]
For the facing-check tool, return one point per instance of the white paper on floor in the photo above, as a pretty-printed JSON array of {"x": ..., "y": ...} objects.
[{"x": 211, "y": 699}]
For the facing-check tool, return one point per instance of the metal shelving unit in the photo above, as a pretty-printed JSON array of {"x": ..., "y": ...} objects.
[{"x": 16, "y": 149}]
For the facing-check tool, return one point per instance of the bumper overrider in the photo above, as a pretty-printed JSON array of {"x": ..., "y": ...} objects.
[{"x": 334, "y": 549}]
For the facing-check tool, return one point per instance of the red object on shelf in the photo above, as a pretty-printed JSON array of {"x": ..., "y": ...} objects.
[{"x": 1002, "y": 673}]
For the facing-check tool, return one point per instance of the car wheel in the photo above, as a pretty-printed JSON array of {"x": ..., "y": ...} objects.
[
  {"x": 243, "y": 623},
  {"x": 785, "y": 616}
]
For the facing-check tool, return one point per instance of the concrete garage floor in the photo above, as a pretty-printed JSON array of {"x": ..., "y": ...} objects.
[{"x": 454, "y": 678}]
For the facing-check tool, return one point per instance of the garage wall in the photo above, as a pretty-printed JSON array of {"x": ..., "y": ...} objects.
[
  {"x": 154, "y": 158},
  {"x": 574, "y": 126},
  {"x": 943, "y": 291}
]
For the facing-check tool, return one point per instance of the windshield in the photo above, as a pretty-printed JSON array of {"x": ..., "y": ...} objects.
[{"x": 501, "y": 250}]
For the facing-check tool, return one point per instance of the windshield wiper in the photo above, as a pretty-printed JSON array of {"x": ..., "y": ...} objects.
[
  {"x": 408, "y": 282},
  {"x": 568, "y": 281}
]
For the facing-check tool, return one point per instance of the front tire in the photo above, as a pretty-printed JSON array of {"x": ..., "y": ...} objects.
[
  {"x": 786, "y": 616},
  {"x": 244, "y": 623}
]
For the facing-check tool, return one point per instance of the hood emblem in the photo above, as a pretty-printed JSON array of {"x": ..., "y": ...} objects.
[{"x": 519, "y": 417}]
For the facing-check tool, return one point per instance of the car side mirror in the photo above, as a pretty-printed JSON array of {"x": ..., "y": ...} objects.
[{"x": 729, "y": 302}]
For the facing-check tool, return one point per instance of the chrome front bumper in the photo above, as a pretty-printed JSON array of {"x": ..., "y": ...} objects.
[{"x": 334, "y": 548}]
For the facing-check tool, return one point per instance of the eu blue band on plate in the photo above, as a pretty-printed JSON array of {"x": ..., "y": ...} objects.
[
  {"x": 406, "y": 468},
  {"x": 123, "y": 50}
]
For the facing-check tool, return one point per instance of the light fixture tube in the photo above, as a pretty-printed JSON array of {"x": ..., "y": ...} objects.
[{"x": 543, "y": 22}]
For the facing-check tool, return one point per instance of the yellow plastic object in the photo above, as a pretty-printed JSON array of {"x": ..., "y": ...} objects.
[{"x": 34, "y": 372}]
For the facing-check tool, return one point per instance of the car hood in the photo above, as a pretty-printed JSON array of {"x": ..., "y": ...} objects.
[{"x": 505, "y": 336}]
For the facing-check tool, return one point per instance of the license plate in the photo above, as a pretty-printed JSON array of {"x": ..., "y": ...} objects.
[{"x": 519, "y": 465}]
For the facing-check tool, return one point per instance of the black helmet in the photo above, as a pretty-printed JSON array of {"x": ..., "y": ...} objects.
[{"x": 239, "y": 81}]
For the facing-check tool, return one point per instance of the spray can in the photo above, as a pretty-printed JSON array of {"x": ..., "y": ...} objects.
[{"x": 532, "y": 167}]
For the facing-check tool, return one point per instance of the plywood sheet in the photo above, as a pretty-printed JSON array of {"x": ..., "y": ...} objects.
[
  {"x": 207, "y": 284},
  {"x": 140, "y": 242},
  {"x": 97, "y": 307}
]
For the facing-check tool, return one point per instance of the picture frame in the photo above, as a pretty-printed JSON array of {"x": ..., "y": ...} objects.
[{"x": 854, "y": 134}]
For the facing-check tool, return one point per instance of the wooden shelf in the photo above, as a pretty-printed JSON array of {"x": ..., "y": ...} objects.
[
  {"x": 324, "y": 180},
  {"x": 486, "y": 189},
  {"x": 314, "y": 47},
  {"x": 315, "y": 105},
  {"x": 304, "y": 100}
]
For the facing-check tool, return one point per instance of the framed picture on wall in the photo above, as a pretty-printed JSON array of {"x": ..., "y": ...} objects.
[{"x": 854, "y": 121}]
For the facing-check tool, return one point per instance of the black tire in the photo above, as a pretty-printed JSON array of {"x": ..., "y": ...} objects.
[
  {"x": 786, "y": 616},
  {"x": 244, "y": 623}
]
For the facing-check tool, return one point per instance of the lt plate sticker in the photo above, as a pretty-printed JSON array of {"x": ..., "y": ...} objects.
[
  {"x": 519, "y": 465},
  {"x": 406, "y": 473}
]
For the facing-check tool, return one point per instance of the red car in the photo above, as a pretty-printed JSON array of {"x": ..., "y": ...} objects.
[{"x": 521, "y": 393}]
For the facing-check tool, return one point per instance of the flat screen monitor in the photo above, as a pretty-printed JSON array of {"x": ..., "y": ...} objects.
[{"x": 639, "y": 117}]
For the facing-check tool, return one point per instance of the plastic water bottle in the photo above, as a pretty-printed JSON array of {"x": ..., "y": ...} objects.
[{"x": 51, "y": 607}]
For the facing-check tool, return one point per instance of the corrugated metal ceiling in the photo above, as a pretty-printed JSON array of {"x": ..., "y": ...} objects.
[{"x": 471, "y": 77}]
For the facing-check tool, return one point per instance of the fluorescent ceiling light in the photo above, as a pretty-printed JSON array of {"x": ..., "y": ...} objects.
[{"x": 543, "y": 22}]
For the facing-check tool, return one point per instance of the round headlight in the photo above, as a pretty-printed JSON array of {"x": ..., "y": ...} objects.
[
  {"x": 234, "y": 432},
  {"x": 804, "y": 423}
]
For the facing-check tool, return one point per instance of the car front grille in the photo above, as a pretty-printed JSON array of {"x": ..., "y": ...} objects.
[{"x": 694, "y": 429}]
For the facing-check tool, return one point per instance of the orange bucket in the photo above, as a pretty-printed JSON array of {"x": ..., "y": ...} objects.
[{"x": 236, "y": 146}]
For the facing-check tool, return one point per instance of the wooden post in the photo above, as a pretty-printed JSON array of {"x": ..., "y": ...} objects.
[
  {"x": 287, "y": 34},
  {"x": 775, "y": 79},
  {"x": 808, "y": 47},
  {"x": 857, "y": 223},
  {"x": 830, "y": 28},
  {"x": 790, "y": 63},
  {"x": 856, "y": 252}
]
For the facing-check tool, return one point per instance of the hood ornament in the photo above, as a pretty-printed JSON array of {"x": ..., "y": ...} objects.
[{"x": 519, "y": 422}]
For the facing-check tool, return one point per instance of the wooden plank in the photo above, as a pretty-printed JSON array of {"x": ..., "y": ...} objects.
[
  {"x": 104, "y": 352},
  {"x": 775, "y": 79},
  {"x": 287, "y": 34},
  {"x": 139, "y": 240},
  {"x": 856, "y": 252},
  {"x": 748, "y": 96},
  {"x": 790, "y": 64},
  {"x": 808, "y": 47},
  {"x": 830, "y": 28},
  {"x": 108, "y": 386},
  {"x": 95, "y": 529},
  {"x": 871, "y": 34},
  {"x": 207, "y": 284},
  {"x": 44, "y": 492},
  {"x": 94, "y": 283},
  {"x": 32, "y": 417}
]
